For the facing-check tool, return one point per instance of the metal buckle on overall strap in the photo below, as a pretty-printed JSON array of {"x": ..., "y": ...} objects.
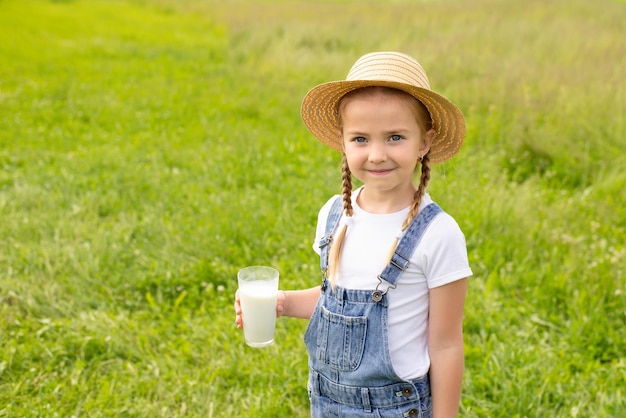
[
  {"x": 324, "y": 279},
  {"x": 377, "y": 295}
]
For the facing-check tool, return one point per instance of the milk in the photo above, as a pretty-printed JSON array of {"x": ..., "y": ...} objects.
[
  {"x": 258, "y": 288},
  {"x": 259, "y": 315}
]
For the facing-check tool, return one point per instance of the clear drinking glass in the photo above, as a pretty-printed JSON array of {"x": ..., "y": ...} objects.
[{"x": 258, "y": 288}]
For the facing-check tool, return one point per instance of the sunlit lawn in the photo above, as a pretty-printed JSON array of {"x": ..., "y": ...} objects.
[{"x": 151, "y": 148}]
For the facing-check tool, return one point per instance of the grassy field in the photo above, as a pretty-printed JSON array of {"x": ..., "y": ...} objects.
[{"x": 151, "y": 148}]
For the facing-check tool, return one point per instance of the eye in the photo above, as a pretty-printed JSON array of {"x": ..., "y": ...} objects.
[
  {"x": 359, "y": 139},
  {"x": 395, "y": 138}
]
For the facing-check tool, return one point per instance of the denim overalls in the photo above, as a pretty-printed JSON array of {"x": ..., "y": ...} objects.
[{"x": 348, "y": 345}]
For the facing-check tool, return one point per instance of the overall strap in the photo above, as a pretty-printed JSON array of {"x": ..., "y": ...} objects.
[
  {"x": 334, "y": 215},
  {"x": 408, "y": 243}
]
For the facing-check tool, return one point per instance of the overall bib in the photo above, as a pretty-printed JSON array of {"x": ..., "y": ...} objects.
[{"x": 350, "y": 369}]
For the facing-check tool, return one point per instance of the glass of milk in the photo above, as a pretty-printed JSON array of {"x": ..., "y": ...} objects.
[{"x": 258, "y": 287}]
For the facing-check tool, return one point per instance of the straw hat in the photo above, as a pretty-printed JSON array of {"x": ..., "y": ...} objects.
[{"x": 388, "y": 69}]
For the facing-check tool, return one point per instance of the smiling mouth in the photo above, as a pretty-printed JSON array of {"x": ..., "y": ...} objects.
[{"x": 379, "y": 172}]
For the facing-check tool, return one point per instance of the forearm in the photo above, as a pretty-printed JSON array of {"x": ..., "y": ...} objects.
[
  {"x": 301, "y": 303},
  {"x": 446, "y": 376}
]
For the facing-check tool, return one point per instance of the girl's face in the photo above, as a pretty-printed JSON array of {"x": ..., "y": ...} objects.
[{"x": 382, "y": 139}]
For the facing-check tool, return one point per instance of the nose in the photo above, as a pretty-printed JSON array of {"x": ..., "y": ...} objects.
[{"x": 378, "y": 153}]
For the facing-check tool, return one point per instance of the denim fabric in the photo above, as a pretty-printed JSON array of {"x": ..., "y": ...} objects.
[
  {"x": 351, "y": 374},
  {"x": 334, "y": 216},
  {"x": 408, "y": 399},
  {"x": 407, "y": 245}
]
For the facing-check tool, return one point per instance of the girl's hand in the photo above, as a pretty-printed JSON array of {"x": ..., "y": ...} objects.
[
  {"x": 238, "y": 314},
  {"x": 281, "y": 300},
  {"x": 280, "y": 307}
]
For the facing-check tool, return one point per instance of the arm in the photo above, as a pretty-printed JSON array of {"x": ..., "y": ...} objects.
[
  {"x": 294, "y": 303},
  {"x": 445, "y": 347},
  {"x": 299, "y": 303}
]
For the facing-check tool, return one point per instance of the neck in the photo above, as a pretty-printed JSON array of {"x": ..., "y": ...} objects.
[{"x": 385, "y": 201}]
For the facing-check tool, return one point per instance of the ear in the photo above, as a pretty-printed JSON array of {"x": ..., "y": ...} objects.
[{"x": 427, "y": 141}]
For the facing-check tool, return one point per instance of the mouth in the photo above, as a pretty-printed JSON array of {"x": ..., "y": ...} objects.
[{"x": 379, "y": 172}]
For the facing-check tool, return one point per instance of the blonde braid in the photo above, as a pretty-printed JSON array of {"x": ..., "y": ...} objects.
[
  {"x": 419, "y": 193},
  {"x": 417, "y": 201},
  {"x": 337, "y": 243}
]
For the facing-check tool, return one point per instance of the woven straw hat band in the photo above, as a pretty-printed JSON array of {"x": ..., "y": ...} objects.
[{"x": 386, "y": 69}]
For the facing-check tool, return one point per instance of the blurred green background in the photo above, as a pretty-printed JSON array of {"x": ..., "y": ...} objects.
[{"x": 151, "y": 148}]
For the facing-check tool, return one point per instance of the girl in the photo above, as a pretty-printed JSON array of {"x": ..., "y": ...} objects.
[{"x": 385, "y": 334}]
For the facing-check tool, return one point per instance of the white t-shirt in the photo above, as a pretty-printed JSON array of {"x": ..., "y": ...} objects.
[{"x": 439, "y": 259}]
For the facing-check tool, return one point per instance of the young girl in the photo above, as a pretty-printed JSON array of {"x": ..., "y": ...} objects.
[{"x": 385, "y": 334}]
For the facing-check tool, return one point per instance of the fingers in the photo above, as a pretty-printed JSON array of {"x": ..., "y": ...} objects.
[
  {"x": 238, "y": 318},
  {"x": 237, "y": 308}
]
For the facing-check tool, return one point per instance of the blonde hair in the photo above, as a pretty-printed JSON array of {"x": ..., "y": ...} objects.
[{"x": 425, "y": 122}]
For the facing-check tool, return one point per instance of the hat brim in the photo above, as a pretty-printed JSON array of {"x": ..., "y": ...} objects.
[{"x": 319, "y": 113}]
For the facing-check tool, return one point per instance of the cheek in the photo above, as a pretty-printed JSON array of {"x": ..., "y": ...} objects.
[
  {"x": 351, "y": 161},
  {"x": 354, "y": 159}
]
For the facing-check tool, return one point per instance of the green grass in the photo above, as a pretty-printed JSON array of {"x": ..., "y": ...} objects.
[{"x": 151, "y": 148}]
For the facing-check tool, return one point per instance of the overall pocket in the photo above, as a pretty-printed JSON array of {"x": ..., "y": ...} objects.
[{"x": 340, "y": 340}]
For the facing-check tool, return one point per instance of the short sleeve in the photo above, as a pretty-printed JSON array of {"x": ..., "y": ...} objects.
[{"x": 442, "y": 252}]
